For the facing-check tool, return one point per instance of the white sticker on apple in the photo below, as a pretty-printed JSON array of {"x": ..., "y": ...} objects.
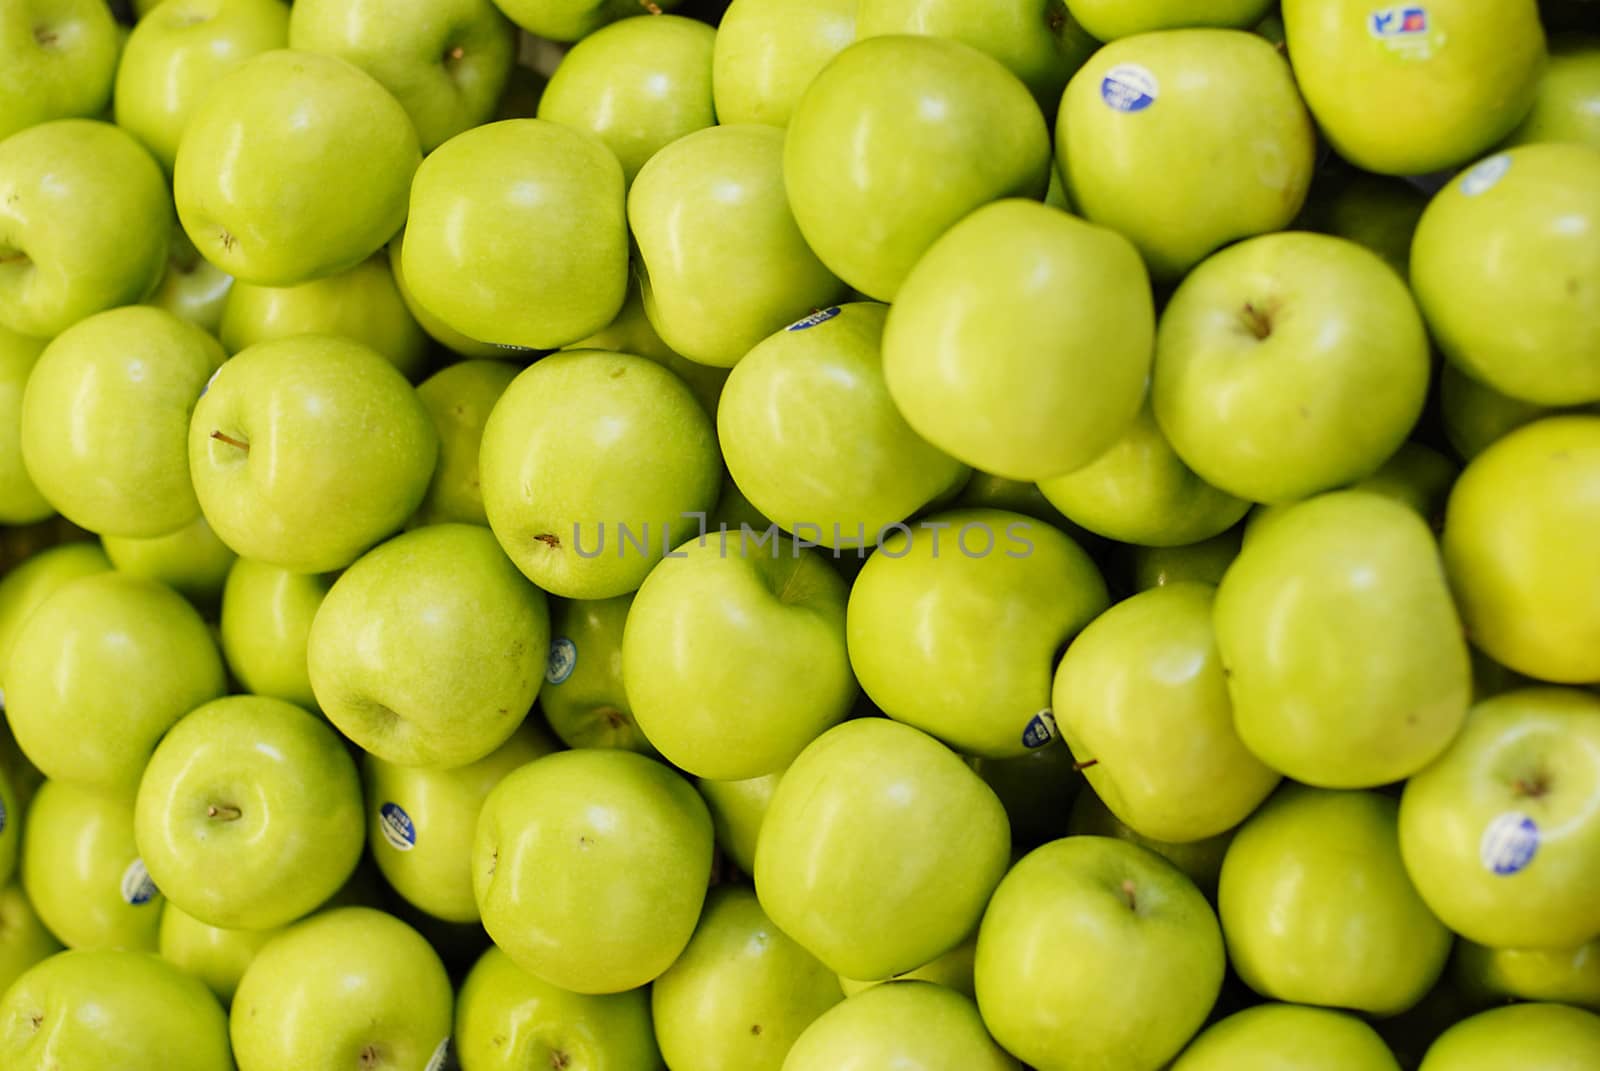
[
  {"x": 562, "y": 661},
  {"x": 137, "y": 887},
  {"x": 1040, "y": 730},
  {"x": 440, "y": 1056},
  {"x": 1509, "y": 843},
  {"x": 1128, "y": 87},
  {"x": 1486, "y": 175},
  {"x": 397, "y": 828},
  {"x": 210, "y": 381}
]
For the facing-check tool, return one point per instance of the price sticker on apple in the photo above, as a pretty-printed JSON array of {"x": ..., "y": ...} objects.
[
  {"x": 563, "y": 659},
  {"x": 1129, "y": 87},
  {"x": 1509, "y": 843},
  {"x": 138, "y": 888},
  {"x": 397, "y": 827},
  {"x": 1040, "y": 730}
]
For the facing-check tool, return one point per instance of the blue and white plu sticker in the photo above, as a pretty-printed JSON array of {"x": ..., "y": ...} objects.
[
  {"x": 397, "y": 828},
  {"x": 1509, "y": 843},
  {"x": 1040, "y": 730},
  {"x": 440, "y": 1058},
  {"x": 1129, "y": 87},
  {"x": 137, "y": 886},
  {"x": 1485, "y": 175},
  {"x": 562, "y": 660},
  {"x": 821, "y": 316}
]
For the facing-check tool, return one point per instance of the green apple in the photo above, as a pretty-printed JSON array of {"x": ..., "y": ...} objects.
[
  {"x": 1566, "y": 106},
  {"x": 249, "y": 814},
  {"x": 20, "y": 499},
  {"x": 632, "y": 332},
  {"x": 1020, "y": 342},
  {"x": 1519, "y": 539},
  {"x": 879, "y": 849},
  {"x": 347, "y": 988},
  {"x": 593, "y": 466},
  {"x": 82, "y": 873},
  {"x": 1111, "y": 19},
  {"x": 1038, "y": 40},
  {"x": 24, "y": 587},
  {"x": 1036, "y": 789},
  {"x": 734, "y": 656},
  {"x": 1141, "y": 698},
  {"x": 362, "y": 304},
  {"x": 24, "y": 940},
  {"x": 1402, "y": 91},
  {"x": 459, "y": 398},
  {"x": 1344, "y": 654},
  {"x": 1416, "y": 476},
  {"x": 266, "y": 618},
  {"x": 767, "y": 53},
  {"x": 1199, "y": 860},
  {"x": 985, "y": 490},
  {"x": 509, "y": 1020},
  {"x": 100, "y": 671},
  {"x": 835, "y": 464},
  {"x": 903, "y": 1024},
  {"x": 1275, "y": 1037},
  {"x": 1204, "y": 562},
  {"x": 84, "y": 223},
  {"x": 296, "y": 165},
  {"x": 582, "y": 697},
  {"x": 1139, "y": 491},
  {"x": 192, "y": 288},
  {"x": 1562, "y": 975},
  {"x": 488, "y": 196},
  {"x": 1502, "y": 834},
  {"x": 174, "y": 58},
  {"x": 1505, "y": 270},
  {"x": 722, "y": 263},
  {"x": 953, "y": 970},
  {"x": 420, "y": 822},
  {"x": 1317, "y": 908},
  {"x": 1475, "y": 415},
  {"x": 573, "y": 20},
  {"x": 738, "y": 809},
  {"x": 741, "y": 992},
  {"x": 638, "y": 85},
  {"x": 1289, "y": 364},
  {"x": 105, "y": 1009},
  {"x": 306, "y": 451},
  {"x": 216, "y": 956},
  {"x": 430, "y": 649},
  {"x": 1138, "y": 115},
  {"x": 1376, "y": 211},
  {"x": 1146, "y": 955},
  {"x": 446, "y": 63},
  {"x": 881, "y": 118},
  {"x": 1551, "y": 1037},
  {"x": 437, "y": 329},
  {"x": 57, "y": 61},
  {"x": 954, "y": 628},
  {"x": 105, "y": 420},
  {"x": 191, "y": 561}
]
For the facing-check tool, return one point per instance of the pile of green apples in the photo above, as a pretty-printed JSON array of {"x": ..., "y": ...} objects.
[{"x": 799, "y": 535}]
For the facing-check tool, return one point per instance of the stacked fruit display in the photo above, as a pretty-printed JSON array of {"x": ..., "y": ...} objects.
[{"x": 800, "y": 535}]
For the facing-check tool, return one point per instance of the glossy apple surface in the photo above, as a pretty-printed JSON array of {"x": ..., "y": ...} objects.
[
  {"x": 582, "y": 697},
  {"x": 20, "y": 499},
  {"x": 1204, "y": 562},
  {"x": 1566, "y": 106},
  {"x": 266, "y": 618},
  {"x": 216, "y": 956},
  {"x": 1111, "y": 19},
  {"x": 1560, "y": 975},
  {"x": 192, "y": 288},
  {"x": 904, "y": 1024},
  {"x": 26, "y": 586},
  {"x": 1199, "y": 860},
  {"x": 767, "y": 54},
  {"x": 1527, "y": 1035},
  {"x": 573, "y": 20},
  {"x": 191, "y": 561},
  {"x": 738, "y": 809},
  {"x": 459, "y": 398},
  {"x": 632, "y": 332},
  {"x": 1274, "y": 1037},
  {"x": 24, "y": 941},
  {"x": 57, "y": 60}
]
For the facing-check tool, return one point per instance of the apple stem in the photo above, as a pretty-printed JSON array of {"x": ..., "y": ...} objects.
[
  {"x": 1128, "y": 891},
  {"x": 223, "y": 437},
  {"x": 227, "y": 812},
  {"x": 1085, "y": 764},
  {"x": 1534, "y": 787},
  {"x": 549, "y": 539},
  {"x": 455, "y": 54},
  {"x": 650, "y": 6},
  {"x": 1257, "y": 321}
]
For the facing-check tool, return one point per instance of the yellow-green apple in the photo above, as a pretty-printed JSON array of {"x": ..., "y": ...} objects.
[
  {"x": 573, "y": 20},
  {"x": 1562, "y": 975},
  {"x": 216, "y": 956},
  {"x": 738, "y": 809},
  {"x": 510, "y": 1020},
  {"x": 1413, "y": 89},
  {"x": 84, "y": 224},
  {"x": 734, "y": 656},
  {"x": 485, "y": 198},
  {"x": 1520, "y": 216},
  {"x": 192, "y": 288},
  {"x": 1142, "y": 700},
  {"x": 266, "y": 618},
  {"x": 57, "y": 61},
  {"x": 24, "y": 940},
  {"x": 879, "y": 849},
  {"x": 985, "y": 490},
  {"x": 306, "y": 451},
  {"x": 267, "y": 181},
  {"x": 1276, "y": 1037},
  {"x": 1502, "y": 834},
  {"x": 446, "y": 63},
  {"x": 1136, "y": 116},
  {"x": 590, "y": 868},
  {"x": 1376, "y": 211},
  {"x": 105, "y": 420},
  {"x": 722, "y": 264},
  {"x": 459, "y": 398},
  {"x": 1204, "y": 562},
  {"x": 1519, "y": 539},
  {"x": 594, "y": 465},
  {"x": 881, "y": 117},
  {"x": 1344, "y": 654},
  {"x": 638, "y": 85},
  {"x": 1200, "y": 860},
  {"x": 20, "y": 499},
  {"x": 421, "y": 821},
  {"x": 954, "y": 626},
  {"x": 352, "y": 987},
  {"x": 24, "y": 587},
  {"x": 632, "y": 332},
  {"x": 191, "y": 561},
  {"x": 173, "y": 59},
  {"x": 1551, "y": 1037},
  {"x": 429, "y": 650},
  {"x": 953, "y": 970},
  {"x": 362, "y": 304},
  {"x": 82, "y": 873},
  {"x": 1476, "y": 415},
  {"x": 106, "y": 1009},
  {"x": 1566, "y": 106},
  {"x": 1145, "y": 948},
  {"x": 582, "y": 697},
  {"x": 1111, "y": 19},
  {"x": 1139, "y": 491},
  {"x": 1416, "y": 476},
  {"x": 1317, "y": 908},
  {"x": 249, "y": 814},
  {"x": 766, "y": 54},
  {"x": 741, "y": 992},
  {"x": 902, "y": 1024},
  {"x": 100, "y": 671},
  {"x": 835, "y": 463},
  {"x": 1289, "y": 364},
  {"x": 437, "y": 329},
  {"x": 1020, "y": 342}
]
